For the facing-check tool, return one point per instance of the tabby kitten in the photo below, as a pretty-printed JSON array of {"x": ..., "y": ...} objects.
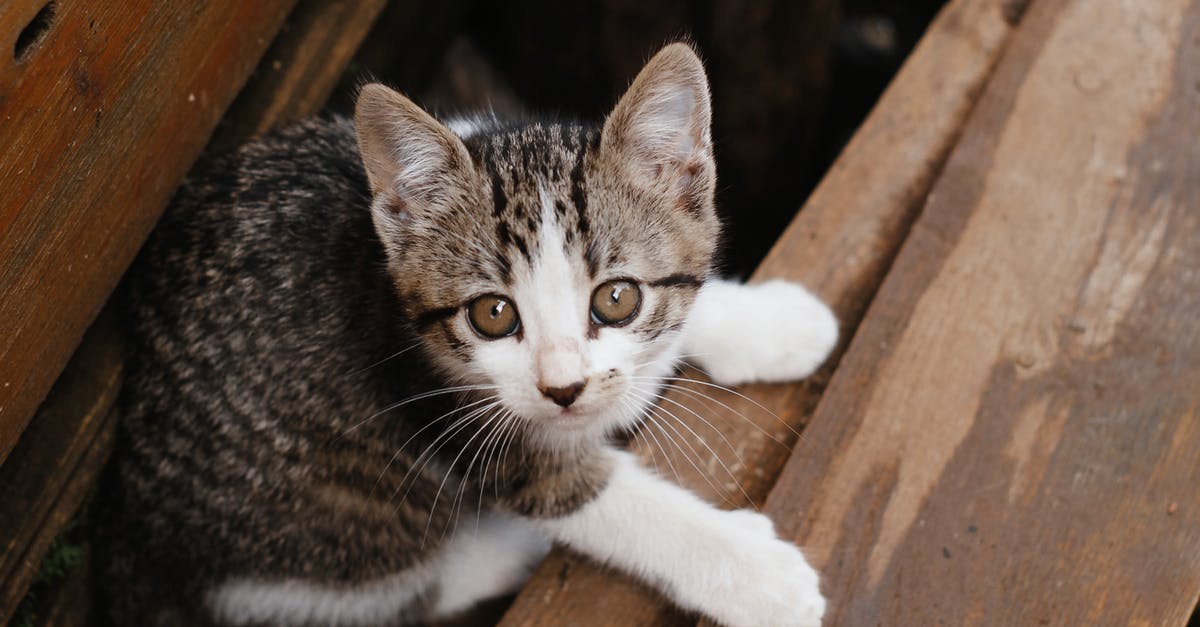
[{"x": 374, "y": 395}]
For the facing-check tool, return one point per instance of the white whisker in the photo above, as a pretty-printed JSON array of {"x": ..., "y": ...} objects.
[
  {"x": 714, "y": 454},
  {"x": 417, "y": 397},
  {"x": 422, "y": 429}
]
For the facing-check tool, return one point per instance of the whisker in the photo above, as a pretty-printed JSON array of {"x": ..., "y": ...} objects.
[
  {"x": 737, "y": 482},
  {"x": 413, "y": 399},
  {"x": 446, "y": 477},
  {"x": 520, "y": 428},
  {"x": 670, "y": 464},
  {"x": 507, "y": 424},
  {"x": 703, "y": 475},
  {"x": 419, "y": 431},
  {"x": 705, "y": 397},
  {"x": 636, "y": 429},
  {"x": 735, "y": 393},
  {"x": 385, "y": 359},
  {"x": 429, "y": 453},
  {"x": 466, "y": 475}
]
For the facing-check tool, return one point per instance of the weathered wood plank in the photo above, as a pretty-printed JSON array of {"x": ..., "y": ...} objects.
[
  {"x": 48, "y": 455},
  {"x": 1013, "y": 437},
  {"x": 44, "y": 484},
  {"x": 840, "y": 244},
  {"x": 300, "y": 70},
  {"x": 101, "y": 117}
]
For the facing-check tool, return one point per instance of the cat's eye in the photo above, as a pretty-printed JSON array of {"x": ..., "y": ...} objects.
[
  {"x": 493, "y": 316},
  {"x": 616, "y": 302}
]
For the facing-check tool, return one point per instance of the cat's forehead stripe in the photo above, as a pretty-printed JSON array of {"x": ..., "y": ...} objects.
[{"x": 499, "y": 199}]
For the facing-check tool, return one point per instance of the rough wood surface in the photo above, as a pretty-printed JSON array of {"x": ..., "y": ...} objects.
[
  {"x": 840, "y": 244},
  {"x": 43, "y": 485},
  {"x": 58, "y": 457},
  {"x": 100, "y": 119},
  {"x": 300, "y": 70},
  {"x": 1013, "y": 437}
]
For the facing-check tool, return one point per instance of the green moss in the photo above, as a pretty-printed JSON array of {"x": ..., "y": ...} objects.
[{"x": 64, "y": 555}]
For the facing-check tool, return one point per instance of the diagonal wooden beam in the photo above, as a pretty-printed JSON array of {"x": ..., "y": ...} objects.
[
  {"x": 102, "y": 116},
  {"x": 57, "y": 459}
]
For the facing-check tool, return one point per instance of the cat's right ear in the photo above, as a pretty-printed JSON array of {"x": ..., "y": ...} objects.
[{"x": 412, "y": 160}]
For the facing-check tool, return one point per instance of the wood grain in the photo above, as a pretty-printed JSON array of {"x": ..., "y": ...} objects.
[
  {"x": 840, "y": 244},
  {"x": 300, "y": 70},
  {"x": 1013, "y": 437},
  {"x": 60, "y": 454},
  {"x": 43, "y": 486},
  {"x": 101, "y": 118}
]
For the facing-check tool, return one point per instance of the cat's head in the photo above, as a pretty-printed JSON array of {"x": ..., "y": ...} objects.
[{"x": 555, "y": 262}]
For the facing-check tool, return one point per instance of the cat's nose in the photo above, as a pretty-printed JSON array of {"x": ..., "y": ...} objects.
[{"x": 563, "y": 396}]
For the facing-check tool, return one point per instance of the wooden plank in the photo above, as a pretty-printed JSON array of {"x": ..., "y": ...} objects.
[
  {"x": 300, "y": 70},
  {"x": 50, "y": 467},
  {"x": 840, "y": 244},
  {"x": 101, "y": 117},
  {"x": 1013, "y": 436},
  {"x": 44, "y": 485}
]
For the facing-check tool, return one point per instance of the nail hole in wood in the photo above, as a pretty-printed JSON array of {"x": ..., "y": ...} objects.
[{"x": 34, "y": 32}]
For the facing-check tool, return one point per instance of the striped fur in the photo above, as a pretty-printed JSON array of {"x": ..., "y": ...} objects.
[{"x": 300, "y": 295}]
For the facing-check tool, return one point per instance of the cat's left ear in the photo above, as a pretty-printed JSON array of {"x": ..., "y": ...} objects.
[
  {"x": 660, "y": 130},
  {"x": 412, "y": 160}
]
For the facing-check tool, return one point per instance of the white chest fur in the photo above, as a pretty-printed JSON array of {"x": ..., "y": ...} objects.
[{"x": 478, "y": 563}]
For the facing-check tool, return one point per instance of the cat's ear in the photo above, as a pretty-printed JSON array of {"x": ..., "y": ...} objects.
[
  {"x": 660, "y": 129},
  {"x": 412, "y": 160}
]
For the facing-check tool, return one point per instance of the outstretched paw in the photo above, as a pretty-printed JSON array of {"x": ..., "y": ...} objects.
[
  {"x": 773, "y": 331},
  {"x": 759, "y": 579}
]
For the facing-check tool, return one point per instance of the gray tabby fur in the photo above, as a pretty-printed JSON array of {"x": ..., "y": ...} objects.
[{"x": 275, "y": 325}]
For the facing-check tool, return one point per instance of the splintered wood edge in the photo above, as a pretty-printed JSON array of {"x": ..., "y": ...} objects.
[
  {"x": 80, "y": 406},
  {"x": 840, "y": 245}
]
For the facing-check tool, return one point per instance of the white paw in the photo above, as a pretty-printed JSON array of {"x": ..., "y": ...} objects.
[
  {"x": 773, "y": 331},
  {"x": 756, "y": 578}
]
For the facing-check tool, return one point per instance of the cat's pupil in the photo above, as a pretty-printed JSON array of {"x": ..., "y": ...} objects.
[{"x": 615, "y": 302}]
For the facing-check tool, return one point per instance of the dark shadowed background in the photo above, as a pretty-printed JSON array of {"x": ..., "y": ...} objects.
[{"x": 791, "y": 80}]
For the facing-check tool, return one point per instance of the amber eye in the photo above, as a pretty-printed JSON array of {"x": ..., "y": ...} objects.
[
  {"x": 616, "y": 302},
  {"x": 493, "y": 316}
]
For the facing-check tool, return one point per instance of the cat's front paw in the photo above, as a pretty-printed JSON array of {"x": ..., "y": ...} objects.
[
  {"x": 772, "y": 331},
  {"x": 758, "y": 579}
]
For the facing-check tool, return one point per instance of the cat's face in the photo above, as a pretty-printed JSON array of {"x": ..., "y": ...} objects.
[{"x": 552, "y": 263}]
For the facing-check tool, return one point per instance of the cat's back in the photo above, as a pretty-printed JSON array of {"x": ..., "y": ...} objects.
[
  {"x": 255, "y": 313},
  {"x": 265, "y": 265}
]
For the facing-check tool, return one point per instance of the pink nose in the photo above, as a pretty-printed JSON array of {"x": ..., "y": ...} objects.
[{"x": 563, "y": 396}]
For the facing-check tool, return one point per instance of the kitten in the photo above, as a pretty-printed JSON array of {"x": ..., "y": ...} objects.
[{"x": 375, "y": 369}]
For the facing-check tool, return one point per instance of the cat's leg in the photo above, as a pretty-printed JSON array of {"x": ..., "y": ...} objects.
[
  {"x": 486, "y": 560},
  {"x": 728, "y": 565},
  {"x": 771, "y": 331}
]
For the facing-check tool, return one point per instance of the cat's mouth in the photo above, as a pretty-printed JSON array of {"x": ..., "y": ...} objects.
[{"x": 570, "y": 413}]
